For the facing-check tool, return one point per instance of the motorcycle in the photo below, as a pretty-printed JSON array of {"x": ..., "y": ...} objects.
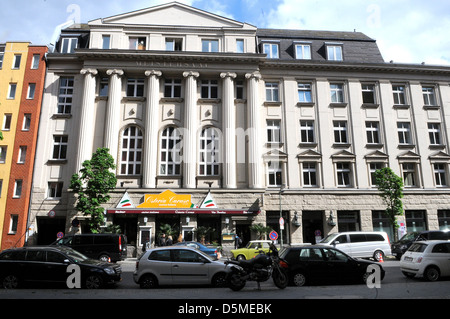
[{"x": 259, "y": 269}]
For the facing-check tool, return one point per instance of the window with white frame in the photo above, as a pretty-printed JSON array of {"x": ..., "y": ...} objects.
[
  {"x": 137, "y": 43},
  {"x": 31, "y": 91},
  {"x": 273, "y": 131},
  {"x": 309, "y": 171},
  {"x": 68, "y": 45},
  {"x": 272, "y": 93},
  {"x": 65, "y": 95},
  {"x": 13, "y": 223},
  {"x": 303, "y": 51},
  {"x": 307, "y": 131},
  {"x": 404, "y": 133},
  {"x": 440, "y": 174},
  {"x": 26, "y": 124},
  {"x": 17, "y": 188},
  {"x": 22, "y": 155},
  {"x": 209, "y": 152},
  {"x": 399, "y": 94},
  {"x": 429, "y": 96},
  {"x": 54, "y": 190},
  {"x": 343, "y": 174},
  {"x": 340, "y": 132},
  {"x": 106, "y": 42},
  {"x": 337, "y": 92},
  {"x": 373, "y": 132},
  {"x": 409, "y": 174},
  {"x": 60, "y": 143},
  {"x": 174, "y": 44},
  {"x": 103, "y": 89},
  {"x": 170, "y": 159},
  {"x": 275, "y": 174},
  {"x": 12, "y": 91},
  {"x": 172, "y": 88},
  {"x": 16, "y": 61},
  {"x": 131, "y": 151},
  {"x": 373, "y": 167},
  {"x": 135, "y": 87},
  {"x": 271, "y": 49},
  {"x": 368, "y": 93},
  {"x": 304, "y": 92},
  {"x": 35, "y": 61},
  {"x": 210, "y": 45},
  {"x": 7, "y": 122},
  {"x": 434, "y": 132},
  {"x": 334, "y": 53},
  {"x": 3, "y": 151},
  {"x": 2, "y": 55},
  {"x": 239, "y": 46},
  {"x": 209, "y": 89}
]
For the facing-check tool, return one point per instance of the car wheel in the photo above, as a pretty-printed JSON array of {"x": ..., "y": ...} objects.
[
  {"x": 11, "y": 282},
  {"x": 219, "y": 280},
  {"x": 432, "y": 274},
  {"x": 148, "y": 281},
  {"x": 378, "y": 255},
  {"x": 240, "y": 257},
  {"x": 299, "y": 279},
  {"x": 93, "y": 282}
]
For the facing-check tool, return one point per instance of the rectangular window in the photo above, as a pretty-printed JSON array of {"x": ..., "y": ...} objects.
[
  {"x": 373, "y": 167},
  {"x": 60, "y": 143},
  {"x": 404, "y": 133},
  {"x": 239, "y": 46},
  {"x": 174, "y": 44},
  {"x": 239, "y": 90},
  {"x": 429, "y": 96},
  {"x": 273, "y": 131},
  {"x": 172, "y": 88},
  {"x": 13, "y": 222},
  {"x": 271, "y": 49},
  {"x": 22, "y": 155},
  {"x": 309, "y": 174},
  {"x": 337, "y": 93},
  {"x": 399, "y": 94},
  {"x": 65, "y": 95},
  {"x": 2, "y": 55},
  {"x": 106, "y": 42},
  {"x": 343, "y": 174},
  {"x": 17, "y": 188},
  {"x": 170, "y": 160},
  {"x": 304, "y": 92},
  {"x": 12, "y": 91},
  {"x": 440, "y": 174},
  {"x": 334, "y": 53},
  {"x": 3, "y": 151},
  {"x": 272, "y": 92},
  {"x": 26, "y": 122},
  {"x": 31, "y": 91},
  {"x": 275, "y": 174},
  {"x": 209, "y": 89},
  {"x": 340, "y": 132},
  {"x": 7, "y": 122},
  {"x": 54, "y": 190},
  {"x": 303, "y": 51},
  {"x": 306, "y": 131},
  {"x": 16, "y": 61},
  {"x": 409, "y": 174},
  {"x": 68, "y": 45},
  {"x": 135, "y": 87},
  {"x": 368, "y": 93},
  {"x": 210, "y": 45},
  {"x": 373, "y": 132},
  {"x": 434, "y": 132},
  {"x": 35, "y": 62},
  {"x": 104, "y": 87},
  {"x": 137, "y": 43}
]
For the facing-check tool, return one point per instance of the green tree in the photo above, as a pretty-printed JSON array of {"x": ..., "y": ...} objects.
[
  {"x": 260, "y": 230},
  {"x": 390, "y": 186},
  {"x": 92, "y": 185}
]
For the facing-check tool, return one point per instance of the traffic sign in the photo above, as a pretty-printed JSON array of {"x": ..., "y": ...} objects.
[
  {"x": 273, "y": 235},
  {"x": 60, "y": 234}
]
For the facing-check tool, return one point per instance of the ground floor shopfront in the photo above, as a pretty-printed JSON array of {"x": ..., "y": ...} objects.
[{"x": 306, "y": 217}]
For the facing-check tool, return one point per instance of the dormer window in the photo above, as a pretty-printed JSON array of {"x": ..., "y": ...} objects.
[
  {"x": 303, "y": 51},
  {"x": 68, "y": 45},
  {"x": 334, "y": 52},
  {"x": 271, "y": 49}
]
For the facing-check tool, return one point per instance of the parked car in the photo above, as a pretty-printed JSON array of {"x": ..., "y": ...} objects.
[
  {"x": 48, "y": 264},
  {"x": 399, "y": 247},
  {"x": 178, "y": 265},
  {"x": 427, "y": 259},
  {"x": 310, "y": 264},
  {"x": 360, "y": 244},
  {"x": 252, "y": 249},
  {"x": 104, "y": 247},
  {"x": 212, "y": 252}
]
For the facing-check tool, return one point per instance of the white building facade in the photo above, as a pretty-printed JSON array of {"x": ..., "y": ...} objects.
[{"x": 273, "y": 123}]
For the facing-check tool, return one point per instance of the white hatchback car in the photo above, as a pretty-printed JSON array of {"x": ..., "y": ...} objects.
[
  {"x": 428, "y": 259},
  {"x": 178, "y": 265}
]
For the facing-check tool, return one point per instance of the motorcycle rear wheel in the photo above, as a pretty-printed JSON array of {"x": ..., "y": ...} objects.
[{"x": 235, "y": 282}]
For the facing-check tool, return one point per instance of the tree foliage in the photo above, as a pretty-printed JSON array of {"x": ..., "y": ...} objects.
[
  {"x": 260, "y": 230},
  {"x": 391, "y": 191},
  {"x": 92, "y": 185}
]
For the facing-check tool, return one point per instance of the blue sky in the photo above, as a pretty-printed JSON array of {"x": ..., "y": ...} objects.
[{"x": 407, "y": 31}]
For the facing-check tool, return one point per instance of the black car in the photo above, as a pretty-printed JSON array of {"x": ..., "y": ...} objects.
[
  {"x": 400, "y": 247},
  {"x": 312, "y": 264},
  {"x": 50, "y": 264}
]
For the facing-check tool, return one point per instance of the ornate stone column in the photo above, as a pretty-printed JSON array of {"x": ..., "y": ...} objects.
[
  {"x": 229, "y": 131},
  {"x": 86, "y": 133},
  {"x": 190, "y": 131},
  {"x": 254, "y": 132},
  {"x": 151, "y": 120},
  {"x": 112, "y": 122}
]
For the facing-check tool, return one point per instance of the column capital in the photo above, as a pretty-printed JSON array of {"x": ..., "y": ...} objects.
[
  {"x": 89, "y": 71},
  {"x": 153, "y": 72},
  {"x": 191, "y": 73},
  {"x": 228, "y": 74},
  {"x": 115, "y": 71},
  {"x": 255, "y": 75}
]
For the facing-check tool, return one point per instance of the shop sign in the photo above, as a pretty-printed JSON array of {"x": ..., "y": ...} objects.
[{"x": 167, "y": 199}]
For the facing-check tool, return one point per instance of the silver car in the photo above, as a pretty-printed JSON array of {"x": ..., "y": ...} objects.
[{"x": 175, "y": 265}]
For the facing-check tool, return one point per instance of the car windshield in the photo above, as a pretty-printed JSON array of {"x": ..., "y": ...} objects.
[
  {"x": 75, "y": 255},
  {"x": 329, "y": 238},
  {"x": 409, "y": 236}
]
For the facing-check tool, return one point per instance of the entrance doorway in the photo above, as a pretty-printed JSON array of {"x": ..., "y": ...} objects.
[
  {"x": 128, "y": 226},
  {"x": 48, "y": 228},
  {"x": 312, "y": 226}
]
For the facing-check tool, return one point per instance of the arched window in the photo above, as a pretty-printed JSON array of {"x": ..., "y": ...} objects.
[
  {"x": 209, "y": 152},
  {"x": 131, "y": 156},
  {"x": 170, "y": 149}
]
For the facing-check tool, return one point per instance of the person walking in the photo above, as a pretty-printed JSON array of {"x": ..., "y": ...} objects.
[{"x": 162, "y": 240}]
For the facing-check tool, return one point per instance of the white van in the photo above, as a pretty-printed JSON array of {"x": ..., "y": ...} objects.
[{"x": 360, "y": 244}]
